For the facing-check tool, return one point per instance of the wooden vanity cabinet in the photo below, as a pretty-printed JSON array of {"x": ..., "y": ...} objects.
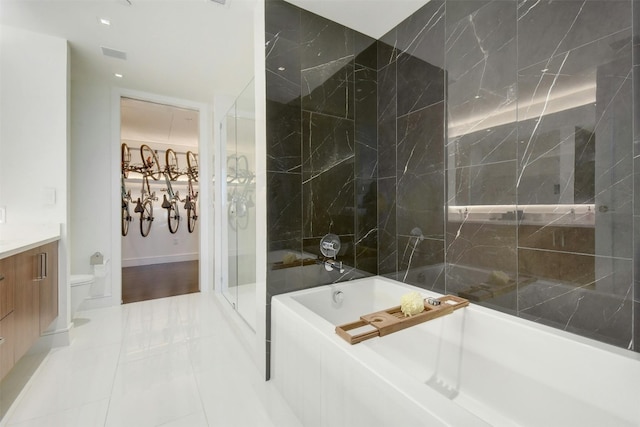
[
  {"x": 49, "y": 286},
  {"x": 7, "y": 302},
  {"x": 28, "y": 300},
  {"x": 27, "y": 311},
  {"x": 36, "y": 299},
  {"x": 7, "y": 286},
  {"x": 7, "y": 348}
]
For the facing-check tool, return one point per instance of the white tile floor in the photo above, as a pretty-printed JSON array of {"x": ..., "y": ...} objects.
[{"x": 167, "y": 362}]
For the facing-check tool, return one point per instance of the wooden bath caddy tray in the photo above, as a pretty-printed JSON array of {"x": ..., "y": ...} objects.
[{"x": 392, "y": 320}]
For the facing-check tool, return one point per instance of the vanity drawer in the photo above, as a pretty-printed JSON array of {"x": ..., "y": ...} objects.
[{"x": 7, "y": 286}]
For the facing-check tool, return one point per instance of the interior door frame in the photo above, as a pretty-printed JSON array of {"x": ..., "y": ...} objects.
[{"x": 205, "y": 190}]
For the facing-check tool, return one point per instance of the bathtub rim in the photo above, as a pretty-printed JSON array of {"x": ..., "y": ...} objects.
[{"x": 485, "y": 311}]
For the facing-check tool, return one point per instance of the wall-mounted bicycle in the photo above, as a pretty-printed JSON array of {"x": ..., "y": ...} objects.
[
  {"x": 171, "y": 172},
  {"x": 150, "y": 167},
  {"x": 191, "y": 200}
]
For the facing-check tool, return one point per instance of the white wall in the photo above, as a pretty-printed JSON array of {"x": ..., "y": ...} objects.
[
  {"x": 90, "y": 184},
  {"x": 34, "y": 137},
  {"x": 95, "y": 192}
]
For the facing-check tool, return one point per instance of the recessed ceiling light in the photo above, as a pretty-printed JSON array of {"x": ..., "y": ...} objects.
[
  {"x": 544, "y": 70},
  {"x": 281, "y": 68},
  {"x": 104, "y": 21},
  {"x": 477, "y": 97},
  {"x": 118, "y": 75}
]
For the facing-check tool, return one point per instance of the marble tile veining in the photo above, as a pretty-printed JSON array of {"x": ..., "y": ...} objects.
[{"x": 522, "y": 112}]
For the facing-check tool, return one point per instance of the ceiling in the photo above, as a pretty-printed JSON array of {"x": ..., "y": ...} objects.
[
  {"x": 158, "y": 124},
  {"x": 371, "y": 17},
  {"x": 186, "y": 49}
]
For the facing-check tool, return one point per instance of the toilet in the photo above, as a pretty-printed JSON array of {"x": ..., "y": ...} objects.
[{"x": 80, "y": 288}]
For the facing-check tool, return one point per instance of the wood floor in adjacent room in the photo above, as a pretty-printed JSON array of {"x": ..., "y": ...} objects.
[{"x": 159, "y": 281}]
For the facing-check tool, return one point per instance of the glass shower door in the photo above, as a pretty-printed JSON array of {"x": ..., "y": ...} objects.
[{"x": 240, "y": 195}]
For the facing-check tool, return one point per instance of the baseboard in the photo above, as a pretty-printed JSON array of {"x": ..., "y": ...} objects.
[
  {"x": 136, "y": 262},
  {"x": 52, "y": 339}
]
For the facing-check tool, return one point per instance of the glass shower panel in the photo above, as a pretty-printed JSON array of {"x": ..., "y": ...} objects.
[
  {"x": 230, "y": 289},
  {"x": 243, "y": 201},
  {"x": 240, "y": 289}
]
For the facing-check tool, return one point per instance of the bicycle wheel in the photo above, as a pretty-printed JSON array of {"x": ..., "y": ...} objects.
[
  {"x": 173, "y": 217},
  {"x": 150, "y": 162},
  {"x": 146, "y": 217},
  {"x": 191, "y": 216},
  {"x": 171, "y": 164},
  {"x": 125, "y": 159},
  {"x": 192, "y": 165},
  {"x": 126, "y": 217}
]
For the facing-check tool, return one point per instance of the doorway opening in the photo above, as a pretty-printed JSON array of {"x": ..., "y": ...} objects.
[{"x": 160, "y": 200}]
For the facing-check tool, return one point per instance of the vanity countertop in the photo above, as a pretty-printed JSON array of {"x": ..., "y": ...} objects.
[{"x": 19, "y": 238}]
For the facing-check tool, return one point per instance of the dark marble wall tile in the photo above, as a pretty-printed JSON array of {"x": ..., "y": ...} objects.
[
  {"x": 328, "y": 200},
  {"x": 387, "y": 115},
  {"x": 636, "y": 326},
  {"x": 284, "y": 137},
  {"x": 282, "y": 18},
  {"x": 366, "y": 236},
  {"x": 366, "y": 51},
  {"x": 420, "y": 177},
  {"x": 281, "y": 90},
  {"x": 481, "y": 64},
  {"x": 565, "y": 64},
  {"x": 558, "y": 27},
  {"x": 387, "y": 51},
  {"x": 328, "y": 88},
  {"x": 418, "y": 259},
  {"x": 420, "y": 64},
  {"x": 476, "y": 285},
  {"x": 491, "y": 184},
  {"x": 636, "y": 265},
  {"x": 482, "y": 246},
  {"x": 636, "y": 176},
  {"x": 284, "y": 210},
  {"x": 326, "y": 143},
  {"x": 574, "y": 269},
  {"x": 560, "y": 238},
  {"x": 282, "y": 58},
  {"x": 570, "y": 307},
  {"x": 366, "y": 122},
  {"x": 328, "y": 175},
  {"x": 323, "y": 41},
  {"x": 421, "y": 35},
  {"x": 419, "y": 84},
  {"x": 420, "y": 204},
  {"x": 492, "y": 145},
  {"x": 420, "y": 148},
  {"x": 387, "y": 242},
  {"x": 282, "y": 52}
]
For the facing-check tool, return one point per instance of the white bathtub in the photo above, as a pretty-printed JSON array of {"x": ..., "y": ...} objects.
[{"x": 474, "y": 367}]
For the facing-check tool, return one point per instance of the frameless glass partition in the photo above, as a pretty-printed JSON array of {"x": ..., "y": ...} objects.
[{"x": 240, "y": 286}]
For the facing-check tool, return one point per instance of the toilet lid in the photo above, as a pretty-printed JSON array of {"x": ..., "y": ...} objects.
[{"x": 80, "y": 279}]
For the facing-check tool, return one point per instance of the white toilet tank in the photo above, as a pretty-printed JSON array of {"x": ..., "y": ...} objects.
[{"x": 80, "y": 289}]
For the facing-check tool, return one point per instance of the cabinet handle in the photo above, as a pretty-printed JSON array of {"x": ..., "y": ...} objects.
[
  {"x": 1, "y": 340},
  {"x": 42, "y": 266},
  {"x": 45, "y": 272},
  {"x": 1, "y": 277}
]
